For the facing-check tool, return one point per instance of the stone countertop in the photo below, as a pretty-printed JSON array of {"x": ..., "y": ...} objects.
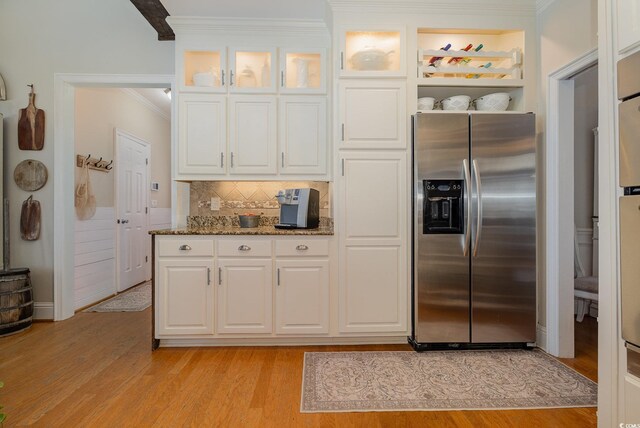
[{"x": 235, "y": 230}]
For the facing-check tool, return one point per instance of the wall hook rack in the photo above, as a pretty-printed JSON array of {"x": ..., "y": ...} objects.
[{"x": 94, "y": 163}]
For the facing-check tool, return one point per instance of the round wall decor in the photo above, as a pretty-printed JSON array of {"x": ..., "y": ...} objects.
[{"x": 30, "y": 175}]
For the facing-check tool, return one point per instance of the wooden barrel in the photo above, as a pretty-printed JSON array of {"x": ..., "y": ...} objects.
[{"x": 16, "y": 301}]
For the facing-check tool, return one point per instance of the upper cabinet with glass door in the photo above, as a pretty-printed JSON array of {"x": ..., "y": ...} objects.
[
  {"x": 246, "y": 71},
  {"x": 375, "y": 52},
  {"x": 203, "y": 70},
  {"x": 303, "y": 71},
  {"x": 252, "y": 70}
]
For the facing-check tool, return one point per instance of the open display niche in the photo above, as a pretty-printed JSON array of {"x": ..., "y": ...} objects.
[
  {"x": 439, "y": 93},
  {"x": 499, "y": 62}
]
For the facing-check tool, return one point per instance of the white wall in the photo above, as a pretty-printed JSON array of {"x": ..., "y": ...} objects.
[
  {"x": 39, "y": 38},
  {"x": 585, "y": 119},
  {"x": 566, "y": 30},
  {"x": 98, "y": 112}
]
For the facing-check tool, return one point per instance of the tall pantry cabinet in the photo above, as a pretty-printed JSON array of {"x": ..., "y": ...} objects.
[{"x": 372, "y": 181}]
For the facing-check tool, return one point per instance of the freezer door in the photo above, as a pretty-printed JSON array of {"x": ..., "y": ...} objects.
[
  {"x": 503, "y": 238},
  {"x": 630, "y": 268},
  {"x": 441, "y": 267}
]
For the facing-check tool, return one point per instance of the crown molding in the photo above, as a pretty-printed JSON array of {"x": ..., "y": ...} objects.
[
  {"x": 284, "y": 27},
  {"x": 142, "y": 100},
  {"x": 541, "y": 5},
  {"x": 467, "y": 7}
]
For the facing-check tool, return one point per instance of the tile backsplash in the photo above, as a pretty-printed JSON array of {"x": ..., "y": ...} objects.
[{"x": 249, "y": 196}]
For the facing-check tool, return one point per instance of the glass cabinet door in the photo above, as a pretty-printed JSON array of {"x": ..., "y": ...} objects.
[
  {"x": 204, "y": 70},
  {"x": 373, "y": 53},
  {"x": 302, "y": 71},
  {"x": 252, "y": 70}
]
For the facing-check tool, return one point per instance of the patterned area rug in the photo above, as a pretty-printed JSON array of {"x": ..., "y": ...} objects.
[
  {"x": 440, "y": 380},
  {"x": 137, "y": 299}
]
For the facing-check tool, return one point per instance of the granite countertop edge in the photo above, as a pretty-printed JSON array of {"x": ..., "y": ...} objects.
[{"x": 234, "y": 230}]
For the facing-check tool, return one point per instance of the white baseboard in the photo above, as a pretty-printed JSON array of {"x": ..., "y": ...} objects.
[
  {"x": 43, "y": 311},
  {"x": 541, "y": 337}
]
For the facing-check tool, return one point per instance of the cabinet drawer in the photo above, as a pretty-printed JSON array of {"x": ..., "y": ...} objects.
[
  {"x": 302, "y": 247},
  {"x": 185, "y": 247},
  {"x": 244, "y": 248}
]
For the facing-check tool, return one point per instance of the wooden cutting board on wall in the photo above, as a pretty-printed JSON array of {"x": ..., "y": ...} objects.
[
  {"x": 31, "y": 125},
  {"x": 30, "y": 219}
]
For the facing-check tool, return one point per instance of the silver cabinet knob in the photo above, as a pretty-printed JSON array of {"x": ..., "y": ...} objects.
[
  {"x": 302, "y": 247},
  {"x": 244, "y": 248},
  {"x": 184, "y": 248}
]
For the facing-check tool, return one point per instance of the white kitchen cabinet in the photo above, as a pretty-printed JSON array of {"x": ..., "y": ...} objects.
[
  {"x": 253, "y": 134},
  {"x": 303, "y": 71},
  {"x": 373, "y": 197},
  {"x": 373, "y": 245},
  {"x": 202, "y": 69},
  {"x": 372, "y": 52},
  {"x": 302, "y": 296},
  {"x": 628, "y": 12},
  {"x": 303, "y": 135},
  {"x": 252, "y": 70},
  {"x": 244, "y": 296},
  {"x": 185, "y": 296},
  {"x": 372, "y": 114},
  {"x": 202, "y": 140},
  {"x": 373, "y": 295}
]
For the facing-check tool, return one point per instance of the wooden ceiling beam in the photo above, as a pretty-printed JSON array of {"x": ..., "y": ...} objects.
[{"x": 155, "y": 13}]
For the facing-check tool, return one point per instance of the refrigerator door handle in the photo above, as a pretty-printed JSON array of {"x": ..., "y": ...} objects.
[
  {"x": 476, "y": 173},
  {"x": 467, "y": 186}
]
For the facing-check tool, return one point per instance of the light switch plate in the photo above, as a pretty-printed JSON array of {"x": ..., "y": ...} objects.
[
  {"x": 154, "y": 203},
  {"x": 215, "y": 204}
]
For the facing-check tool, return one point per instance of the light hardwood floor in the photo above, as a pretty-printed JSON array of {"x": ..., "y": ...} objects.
[{"x": 97, "y": 369}]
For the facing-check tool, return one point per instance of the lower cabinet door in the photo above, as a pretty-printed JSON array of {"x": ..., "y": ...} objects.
[
  {"x": 302, "y": 297},
  {"x": 185, "y": 297},
  {"x": 373, "y": 290},
  {"x": 244, "y": 297}
]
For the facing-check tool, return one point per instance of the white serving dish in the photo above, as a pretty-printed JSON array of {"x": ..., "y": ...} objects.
[
  {"x": 204, "y": 79},
  {"x": 426, "y": 103},
  {"x": 456, "y": 102},
  {"x": 498, "y": 101},
  {"x": 371, "y": 59}
]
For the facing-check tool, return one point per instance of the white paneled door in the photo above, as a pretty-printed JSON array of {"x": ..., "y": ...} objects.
[{"x": 134, "y": 242}]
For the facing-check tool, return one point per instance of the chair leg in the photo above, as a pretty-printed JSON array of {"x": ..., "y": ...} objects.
[{"x": 582, "y": 309}]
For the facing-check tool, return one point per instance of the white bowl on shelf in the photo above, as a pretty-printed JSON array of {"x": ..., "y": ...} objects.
[
  {"x": 204, "y": 79},
  {"x": 498, "y": 101},
  {"x": 456, "y": 103},
  {"x": 426, "y": 103}
]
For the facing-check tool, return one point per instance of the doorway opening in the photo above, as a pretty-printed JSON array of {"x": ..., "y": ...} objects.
[
  {"x": 94, "y": 114},
  {"x": 572, "y": 115},
  {"x": 117, "y": 130}
]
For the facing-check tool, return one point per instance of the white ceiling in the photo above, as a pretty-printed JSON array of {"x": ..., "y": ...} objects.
[
  {"x": 276, "y": 9},
  {"x": 157, "y": 98}
]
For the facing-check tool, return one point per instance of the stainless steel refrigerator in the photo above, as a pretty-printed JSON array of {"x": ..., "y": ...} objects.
[
  {"x": 629, "y": 163},
  {"x": 474, "y": 230}
]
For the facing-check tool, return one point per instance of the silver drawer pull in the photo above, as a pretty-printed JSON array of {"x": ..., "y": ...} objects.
[
  {"x": 302, "y": 247},
  {"x": 184, "y": 248},
  {"x": 244, "y": 248}
]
